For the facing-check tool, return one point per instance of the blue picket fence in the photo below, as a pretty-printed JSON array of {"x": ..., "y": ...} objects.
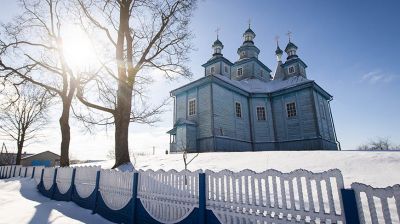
[{"x": 215, "y": 197}]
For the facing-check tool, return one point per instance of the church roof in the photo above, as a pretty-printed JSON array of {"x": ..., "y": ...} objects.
[
  {"x": 290, "y": 45},
  {"x": 278, "y": 50},
  {"x": 250, "y": 31},
  {"x": 217, "y": 42},
  {"x": 252, "y": 85}
]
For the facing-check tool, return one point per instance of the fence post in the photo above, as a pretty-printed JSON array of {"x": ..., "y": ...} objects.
[
  {"x": 202, "y": 198},
  {"x": 72, "y": 184},
  {"x": 350, "y": 206},
  {"x": 15, "y": 168},
  {"x": 54, "y": 184},
  {"x": 33, "y": 172},
  {"x": 19, "y": 173},
  {"x": 41, "y": 178},
  {"x": 9, "y": 175},
  {"x": 134, "y": 194},
  {"x": 96, "y": 190}
]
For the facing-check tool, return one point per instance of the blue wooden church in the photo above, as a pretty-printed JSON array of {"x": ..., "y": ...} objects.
[{"x": 240, "y": 106}]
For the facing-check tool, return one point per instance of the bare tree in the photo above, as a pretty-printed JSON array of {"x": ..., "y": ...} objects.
[
  {"x": 21, "y": 119},
  {"x": 146, "y": 36},
  {"x": 379, "y": 144},
  {"x": 6, "y": 158},
  {"x": 31, "y": 49}
]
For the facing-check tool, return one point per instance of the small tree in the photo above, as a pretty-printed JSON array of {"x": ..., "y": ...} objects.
[
  {"x": 379, "y": 144},
  {"x": 21, "y": 119},
  {"x": 6, "y": 158}
]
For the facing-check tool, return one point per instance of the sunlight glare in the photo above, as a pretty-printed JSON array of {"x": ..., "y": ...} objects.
[{"x": 78, "y": 49}]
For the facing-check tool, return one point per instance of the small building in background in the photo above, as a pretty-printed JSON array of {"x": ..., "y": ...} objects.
[{"x": 45, "y": 158}]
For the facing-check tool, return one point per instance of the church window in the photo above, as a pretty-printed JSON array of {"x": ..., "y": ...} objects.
[
  {"x": 212, "y": 70},
  {"x": 226, "y": 69},
  {"x": 261, "y": 72},
  {"x": 192, "y": 107},
  {"x": 291, "y": 69},
  {"x": 261, "y": 113},
  {"x": 238, "y": 109},
  {"x": 240, "y": 71},
  {"x": 291, "y": 109}
]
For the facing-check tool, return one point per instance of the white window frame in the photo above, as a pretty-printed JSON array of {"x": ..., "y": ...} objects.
[
  {"x": 292, "y": 71},
  {"x": 264, "y": 115},
  {"x": 241, "y": 72},
  {"x": 238, "y": 112},
  {"x": 194, "y": 109},
  {"x": 291, "y": 112},
  {"x": 212, "y": 70}
]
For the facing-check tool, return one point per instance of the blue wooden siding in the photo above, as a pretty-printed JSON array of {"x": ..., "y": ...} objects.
[
  {"x": 204, "y": 112},
  {"x": 263, "y": 130},
  {"x": 324, "y": 117},
  {"x": 225, "y": 121},
  {"x": 301, "y": 126}
]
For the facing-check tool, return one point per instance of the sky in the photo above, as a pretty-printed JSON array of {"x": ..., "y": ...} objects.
[{"x": 351, "y": 49}]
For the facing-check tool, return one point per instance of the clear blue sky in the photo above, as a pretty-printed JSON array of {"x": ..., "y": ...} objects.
[{"x": 351, "y": 48}]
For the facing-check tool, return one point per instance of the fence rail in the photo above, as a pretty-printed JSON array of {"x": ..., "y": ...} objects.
[{"x": 162, "y": 196}]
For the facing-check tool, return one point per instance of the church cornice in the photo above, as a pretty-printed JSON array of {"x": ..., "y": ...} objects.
[
  {"x": 292, "y": 61},
  {"x": 243, "y": 61},
  {"x": 215, "y": 60}
]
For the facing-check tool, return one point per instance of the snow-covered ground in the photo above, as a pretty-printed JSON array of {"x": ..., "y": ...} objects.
[
  {"x": 20, "y": 202},
  {"x": 378, "y": 169}
]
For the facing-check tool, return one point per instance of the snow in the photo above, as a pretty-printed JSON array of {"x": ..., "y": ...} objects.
[
  {"x": 378, "y": 169},
  {"x": 22, "y": 203}
]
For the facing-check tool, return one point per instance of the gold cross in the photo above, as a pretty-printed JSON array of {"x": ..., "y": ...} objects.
[{"x": 289, "y": 35}]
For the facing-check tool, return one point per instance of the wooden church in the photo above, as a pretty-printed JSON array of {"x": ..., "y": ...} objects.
[{"x": 240, "y": 106}]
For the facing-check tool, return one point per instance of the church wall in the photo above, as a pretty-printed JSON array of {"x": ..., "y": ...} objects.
[
  {"x": 301, "y": 126},
  {"x": 181, "y": 104},
  {"x": 204, "y": 128},
  {"x": 225, "y": 121},
  {"x": 324, "y": 117},
  {"x": 248, "y": 69},
  {"x": 202, "y": 118},
  {"x": 262, "y": 129}
]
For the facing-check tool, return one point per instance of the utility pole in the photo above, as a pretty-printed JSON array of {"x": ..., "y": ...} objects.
[{"x": 154, "y": 150}]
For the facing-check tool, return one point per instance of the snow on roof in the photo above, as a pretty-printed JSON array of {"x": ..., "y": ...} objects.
[{"x": 258, "y": 86}]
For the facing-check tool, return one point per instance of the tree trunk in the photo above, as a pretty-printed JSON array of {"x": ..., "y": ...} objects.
[
  {"x": 122, "y": 120},
  {"x": 65, "y": 133},
  {"x": 20, "y": 145}
]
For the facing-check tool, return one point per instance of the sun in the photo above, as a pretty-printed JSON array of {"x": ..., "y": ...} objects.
[{"x": 78, "y": 49}]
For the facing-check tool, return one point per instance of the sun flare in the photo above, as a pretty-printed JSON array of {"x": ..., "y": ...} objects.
[{"x": 78, "y": 49}]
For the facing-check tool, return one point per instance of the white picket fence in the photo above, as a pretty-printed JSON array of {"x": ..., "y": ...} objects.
[
  {"x": 377, "y": 205},
  {"x": 300, "y": 196},
  {"x": 272, "y": 196},
  {"x": 169, "y": 196},
  {"x": 116, "y": 188},
  {"x": 85, "y": 180},
  {"x": 29, "y": 171},
  {"x": 23, "y": 171},
  {"x": 64, "y": 179}
]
